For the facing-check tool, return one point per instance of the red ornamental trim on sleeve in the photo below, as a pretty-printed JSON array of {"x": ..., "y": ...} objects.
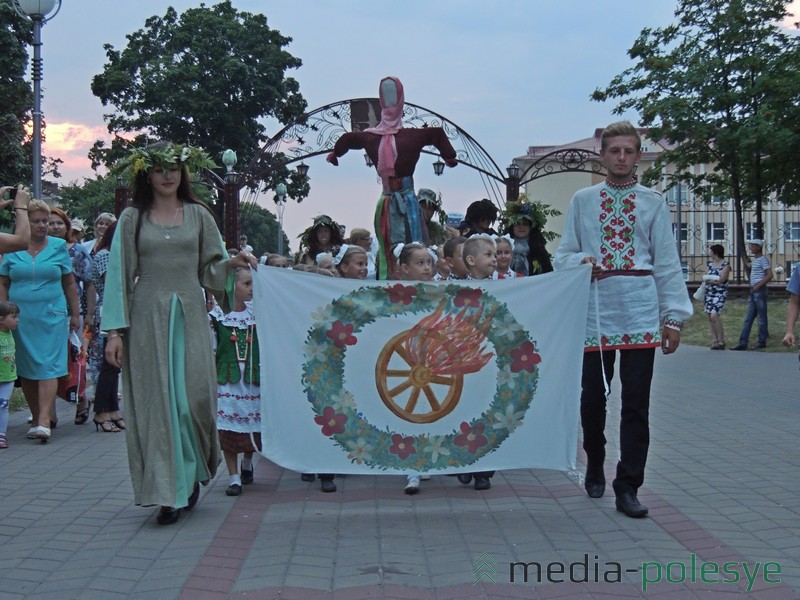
[{"x": 673, "y": 324}]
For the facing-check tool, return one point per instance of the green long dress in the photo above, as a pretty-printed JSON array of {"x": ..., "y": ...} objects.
[{"x": 153, "y": 293}]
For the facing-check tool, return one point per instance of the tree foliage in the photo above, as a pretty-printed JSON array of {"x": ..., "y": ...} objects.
[
  {"x": 16, "y": 102},
  {"x": 206, "y": 77},
  {"x": 720, "y": 85},
  {"x": 261, "y": 228},
  {"x": 88, "y": 199}
]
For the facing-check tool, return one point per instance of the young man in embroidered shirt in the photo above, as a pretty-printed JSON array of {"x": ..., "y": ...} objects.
[
  {"x": 760, "y": 276},
  {"x": 625, "y": 231}
]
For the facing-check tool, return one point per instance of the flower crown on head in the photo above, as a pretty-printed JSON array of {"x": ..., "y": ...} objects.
[
  {"x": 141, "y": 160},
  {"x": 535, "y": 213},
  {"x": 319, "y": 221}
]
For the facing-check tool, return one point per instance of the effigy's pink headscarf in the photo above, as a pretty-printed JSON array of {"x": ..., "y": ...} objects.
[{"x": 391, "y": 123}]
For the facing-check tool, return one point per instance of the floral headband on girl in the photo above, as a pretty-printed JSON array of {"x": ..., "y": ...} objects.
[
  {"x": 337, "y": 258},
  {"x": 505, "y": 237},
  {"x": 142, "y": 160}
]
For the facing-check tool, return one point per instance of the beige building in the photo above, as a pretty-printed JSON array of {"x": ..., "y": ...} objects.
[{"x": 559, "y": 171}]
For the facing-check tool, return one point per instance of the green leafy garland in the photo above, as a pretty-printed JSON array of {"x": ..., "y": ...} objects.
[
  {"x": 535, "y": 213},
  {"x": 320, "y": 220},
  {"x": 141, "y": 160}
]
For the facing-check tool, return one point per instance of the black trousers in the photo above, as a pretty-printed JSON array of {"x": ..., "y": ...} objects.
[
  {"x": 106, "y": 391},
  {"x": 636, "y": 374}
]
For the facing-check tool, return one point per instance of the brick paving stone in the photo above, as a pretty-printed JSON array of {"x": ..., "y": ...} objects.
[{"x": 724, "y": 497}]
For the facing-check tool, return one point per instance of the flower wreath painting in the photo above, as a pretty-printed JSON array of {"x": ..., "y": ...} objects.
[{"x": 437, "y": 377}]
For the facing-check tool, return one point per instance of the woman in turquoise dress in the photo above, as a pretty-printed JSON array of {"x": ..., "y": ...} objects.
[
  {"x": 39, "y": 280},
  {"x": 166, "y": 249}
]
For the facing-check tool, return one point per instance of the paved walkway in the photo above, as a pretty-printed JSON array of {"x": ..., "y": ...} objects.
[{"x": 722, "y": 486}]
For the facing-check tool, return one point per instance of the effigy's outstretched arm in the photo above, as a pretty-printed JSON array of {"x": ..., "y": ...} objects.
[{"x": 352, "y": 140}]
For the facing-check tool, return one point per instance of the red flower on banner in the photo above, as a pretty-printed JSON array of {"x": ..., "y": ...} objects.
[
  {"x": 331, "y": 421},
  {"x": 468, "y": 297},
  {"x": 525, "y": 358},
  {"x": 341, "y": 334},
  {"x": 402, "y": 446},
  {"x": 471, "y": 437},
  {"x": 401, "y": 294}
]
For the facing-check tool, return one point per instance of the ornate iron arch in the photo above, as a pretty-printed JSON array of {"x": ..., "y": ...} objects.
[
  {"x": 316, "y": 132},
  {"x": 564, "y": 160}
]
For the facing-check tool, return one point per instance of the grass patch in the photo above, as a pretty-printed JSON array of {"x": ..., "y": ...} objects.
[{"x": 696, "y": 331}]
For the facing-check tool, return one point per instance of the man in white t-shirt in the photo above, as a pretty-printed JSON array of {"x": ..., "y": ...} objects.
[{"x": 760, "y": 276}]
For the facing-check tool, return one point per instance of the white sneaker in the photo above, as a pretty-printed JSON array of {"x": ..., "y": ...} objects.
[
  {"x": 31, "y": 435},
  {"x": 412, "y": 487},
  {"x": 425, "y": 477},
  {"x": 30, "y": 417}
]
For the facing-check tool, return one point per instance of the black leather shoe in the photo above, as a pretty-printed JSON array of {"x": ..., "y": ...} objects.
[
  {"x": 740, "y": 347},
  {"x": 595, "y": 489},
  {"x": 629, "y": 504},
  {"x": 193, "y": 498},
  {"x": 247, "y": 476},
  {"x": 482, "y": 483},
  {"x": 168, "y": 515},
  {"x": 595, "y": 483},
  {"x": 327, "y": 485},
  {"x": 465, "y": 478},
  {"x": 307, "y": 477},
  {"x": 759, "y": 346},
  {"x": 233, "y": 490}
]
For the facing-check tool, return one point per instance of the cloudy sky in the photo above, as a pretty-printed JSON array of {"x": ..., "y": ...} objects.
[{"x": 512, "y": 73}]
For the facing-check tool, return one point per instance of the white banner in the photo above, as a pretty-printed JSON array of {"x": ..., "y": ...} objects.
[{"x": 442, "y": 377}]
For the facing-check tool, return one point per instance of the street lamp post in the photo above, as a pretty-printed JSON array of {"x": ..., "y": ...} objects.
[
  {"x": 280, "y": 204},
  {"x": 231, "y": 195},
  {"x": 512, "y": 182},
  {"x": 37, "y": 11}
]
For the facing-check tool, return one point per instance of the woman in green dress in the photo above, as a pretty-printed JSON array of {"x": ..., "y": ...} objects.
[{"x": 167, "y": 248}]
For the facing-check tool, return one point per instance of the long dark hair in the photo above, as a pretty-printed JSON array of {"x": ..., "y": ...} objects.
[
  {"x": 104, "y": 243},
  {"x": 143, "y": 192}
]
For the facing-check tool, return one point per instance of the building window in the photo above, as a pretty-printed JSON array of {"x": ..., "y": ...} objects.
[
  {"x": 684, "y": 231},
  {"x": 791, "y": 231},
  {"x": 750, "y": 232},
  {"x": 715, "y": 231}
]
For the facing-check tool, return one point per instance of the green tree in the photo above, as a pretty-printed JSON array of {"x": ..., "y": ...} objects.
[
  {"x": 261, "y": 228},
  {"x": 16, "y": 102},
  {"x": 88, "y": 199},
  {"x": 207, "y": 77},
  {"x": 720, "y": 85}
]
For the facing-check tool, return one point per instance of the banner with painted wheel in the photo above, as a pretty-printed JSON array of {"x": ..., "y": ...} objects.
[{"x": 440, "y": 377}]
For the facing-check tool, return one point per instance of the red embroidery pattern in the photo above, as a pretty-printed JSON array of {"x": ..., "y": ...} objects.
[{"x": 617, "y": 219}]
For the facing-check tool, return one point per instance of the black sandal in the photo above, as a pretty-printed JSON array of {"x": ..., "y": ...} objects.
[{"x": 81, "y": 416}]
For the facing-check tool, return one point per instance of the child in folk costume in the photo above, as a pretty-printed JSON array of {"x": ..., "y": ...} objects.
[
  {"x": 238, "y": 382},
  {"x": 505, "y": 251},
  {"x": 415, "y": 262},
  {"x": 480, "y": 256},
  {"x": 350, "y": 261},
  {"x": 524, "y": 221}
]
